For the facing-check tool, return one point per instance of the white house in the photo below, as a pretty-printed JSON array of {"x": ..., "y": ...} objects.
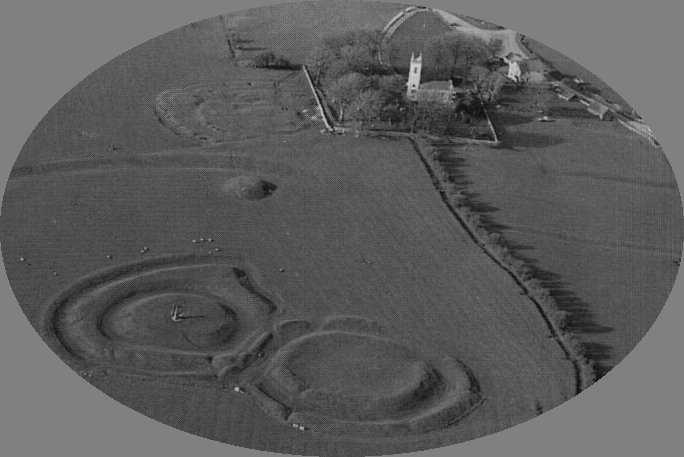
[{"x": 513, "y": 60}]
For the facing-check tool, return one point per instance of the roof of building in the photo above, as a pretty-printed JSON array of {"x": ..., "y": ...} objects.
[{"x": 436, "y": 85}]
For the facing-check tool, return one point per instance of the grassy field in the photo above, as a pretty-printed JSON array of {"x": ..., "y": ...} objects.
[
  {"x": 480, "y": 23},
  {"x": 354, "y": 227},
  {"x": 293, "y": 29},
  {"x": 239, "y": 107},
  {"x": 111, "y": 218},
  {"x": 111, "y": 112},
  {"x": 592, "y": 207},
  {"x": 412, "y": 36}
]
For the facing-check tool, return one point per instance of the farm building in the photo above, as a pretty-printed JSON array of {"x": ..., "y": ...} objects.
[{"x": 522, "y": 69}]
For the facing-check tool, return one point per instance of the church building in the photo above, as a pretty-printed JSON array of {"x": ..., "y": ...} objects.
[{"x": 440, "y": 91}]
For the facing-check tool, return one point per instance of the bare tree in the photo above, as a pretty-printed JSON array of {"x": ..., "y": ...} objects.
[
  {"x": 353, "y": 51},
  {"x": 345, "y": 89},
  {"x": 455, "y": 53},
  {"x": 487, "y": 84},
  {"x": 367, "y": 106}
]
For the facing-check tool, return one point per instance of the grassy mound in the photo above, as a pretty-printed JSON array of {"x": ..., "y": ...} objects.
[
  {"x": 249, "y": 187},
  {"x": 360, "y": 384}
]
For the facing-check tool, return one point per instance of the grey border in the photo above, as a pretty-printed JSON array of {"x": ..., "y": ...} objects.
[{"x": 47, "y": 46}]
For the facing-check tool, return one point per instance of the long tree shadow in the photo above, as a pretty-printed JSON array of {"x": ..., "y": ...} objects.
[{"x": 580, "y": 319}]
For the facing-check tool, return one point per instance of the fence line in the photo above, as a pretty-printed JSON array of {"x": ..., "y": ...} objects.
[{"x": 319, "y": 102}]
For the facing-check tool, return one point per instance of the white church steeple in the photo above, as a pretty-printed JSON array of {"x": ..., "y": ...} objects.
[{"x": 414, "y": 77}]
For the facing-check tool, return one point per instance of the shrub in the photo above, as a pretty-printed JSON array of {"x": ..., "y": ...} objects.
[
  {"x": 453, "y": 54},
  {"x": 345, "y": 89},
  {"x": 367, "y": 106},
  {"x": 269, "y": 59},
  {"x": 355, "y": 51},
  {"x": 488, "y": 84}
]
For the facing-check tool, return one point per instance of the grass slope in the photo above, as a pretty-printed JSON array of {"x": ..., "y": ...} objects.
[
  {"x": 111, "y": 109},
  {"x": 412, "y": 36},
  {"x": 592, "y": 208},
  {"x": 293, "y": 29},
  {"x": 356, "y": 227}
]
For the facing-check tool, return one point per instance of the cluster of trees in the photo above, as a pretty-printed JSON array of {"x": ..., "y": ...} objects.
[
  {"x": 454, "y": 54},
  {"x": 364, "y": 98},
  {"x": 486, "y": 83},
  {"x": 269, "y": 59},
  {"x": 361, "y": 88},
  {"x": 447, "y": 55},
  {"x": 461, "y": 118},
  {"x": 354, "y": 51}
]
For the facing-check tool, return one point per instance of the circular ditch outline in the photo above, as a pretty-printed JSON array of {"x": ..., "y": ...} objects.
[
  {"x": 73, "y": 321},
  {"x": 431, "y": 394}
]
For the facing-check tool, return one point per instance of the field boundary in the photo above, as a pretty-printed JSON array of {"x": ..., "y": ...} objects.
[
  {"x": 494, "y": 246},
  {"x": 497, "y": 140},
  {"x": 329, "y": 125}
]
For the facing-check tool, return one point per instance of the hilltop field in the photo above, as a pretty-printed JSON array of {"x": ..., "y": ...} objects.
[{"x": 184, "y": 233}]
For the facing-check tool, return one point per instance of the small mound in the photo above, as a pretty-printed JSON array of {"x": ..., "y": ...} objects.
[{"x": 249, "y": 187}]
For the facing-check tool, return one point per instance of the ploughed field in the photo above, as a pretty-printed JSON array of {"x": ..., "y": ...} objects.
[{"x": 591, "y": 206}]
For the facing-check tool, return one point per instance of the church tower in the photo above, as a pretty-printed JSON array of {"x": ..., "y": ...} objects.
[{"x": 414, "y": 77}]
